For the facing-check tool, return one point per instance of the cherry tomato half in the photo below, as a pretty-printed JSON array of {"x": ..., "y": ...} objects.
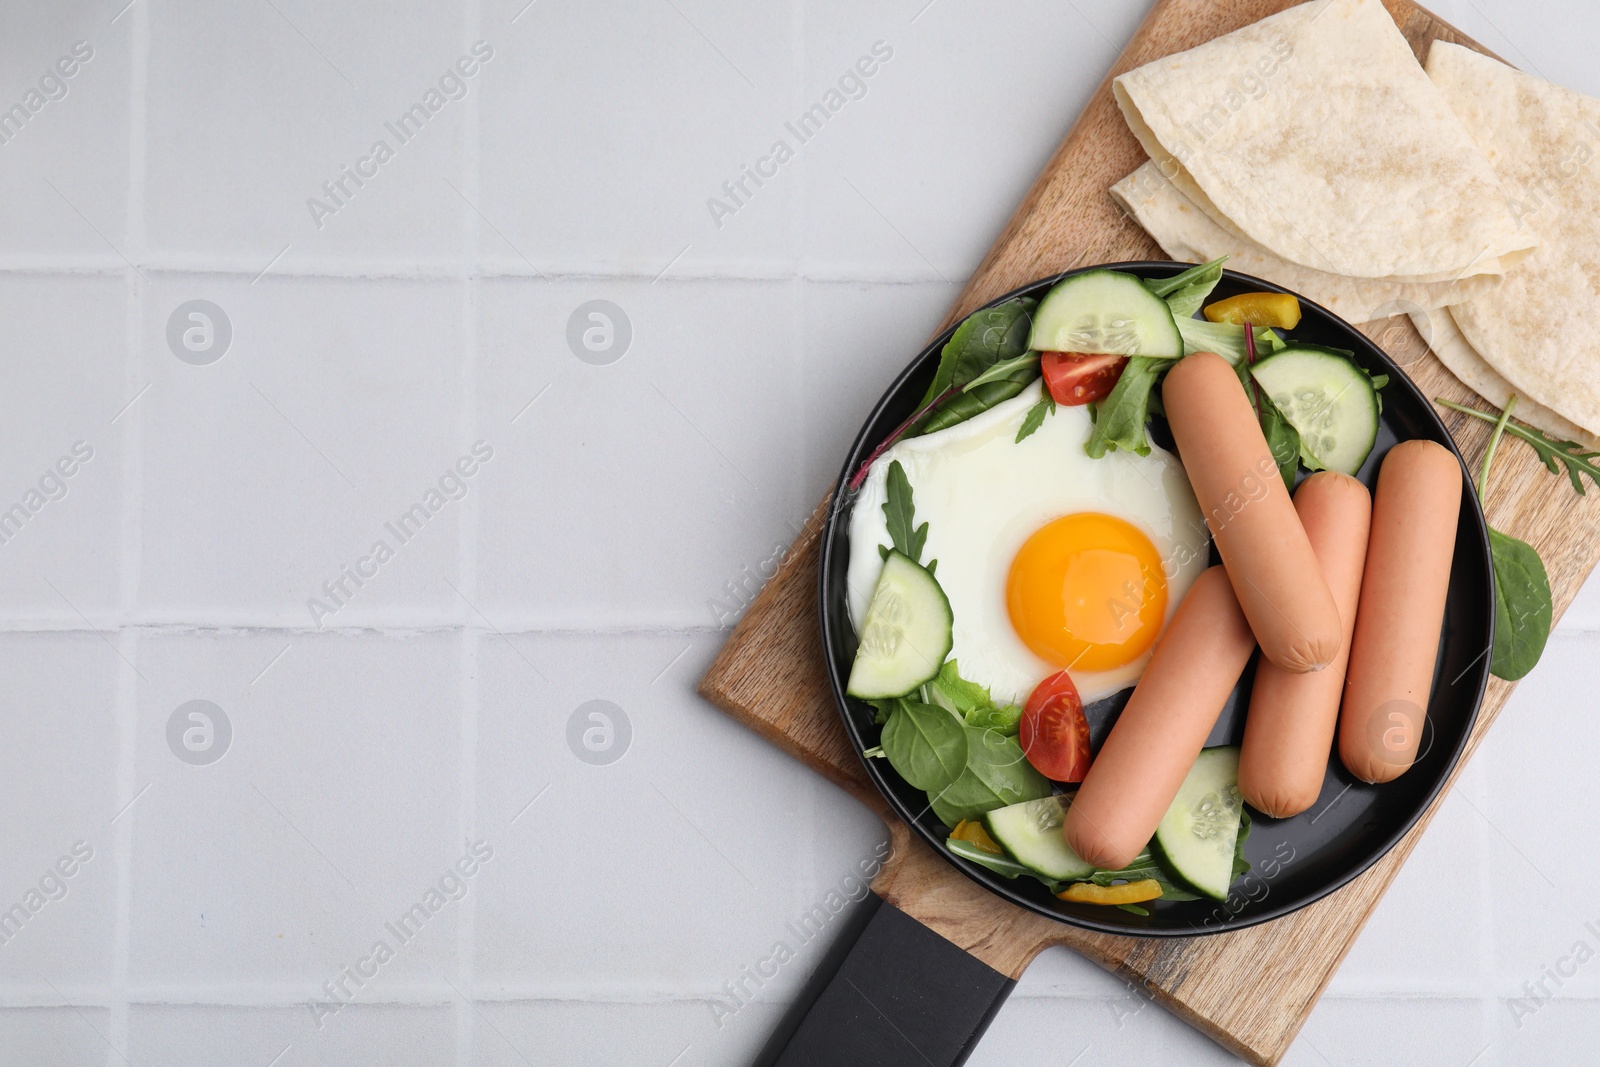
[
  {"x": 1075, "y": 378},
  {"x": 1053, "y": 733}
]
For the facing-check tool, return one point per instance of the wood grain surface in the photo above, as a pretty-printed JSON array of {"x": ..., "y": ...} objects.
[{"x": 1251, "y": 990}]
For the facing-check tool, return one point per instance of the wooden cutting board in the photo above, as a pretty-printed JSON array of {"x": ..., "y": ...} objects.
[{"x": 1251, "y": 989}]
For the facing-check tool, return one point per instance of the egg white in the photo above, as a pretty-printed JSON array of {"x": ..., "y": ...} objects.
[{"x": 983, "y": 493}]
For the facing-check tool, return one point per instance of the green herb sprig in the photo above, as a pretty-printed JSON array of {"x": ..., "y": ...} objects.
[{"x": 1555, "y": 454}]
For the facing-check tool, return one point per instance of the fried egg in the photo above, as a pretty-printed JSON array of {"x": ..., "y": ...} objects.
[{"x": 1051, "y": 560}]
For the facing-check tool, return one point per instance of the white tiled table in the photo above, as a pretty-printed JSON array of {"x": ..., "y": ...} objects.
[{"x": 627, "y": 511}]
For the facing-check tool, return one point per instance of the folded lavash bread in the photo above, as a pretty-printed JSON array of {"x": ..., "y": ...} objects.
[
  {"x": 1315, "y": 133},
  {"x": 1540, "y": 328},
  {"x": 1439, "y": 329},
  {"x": 1188, "y": 234}
]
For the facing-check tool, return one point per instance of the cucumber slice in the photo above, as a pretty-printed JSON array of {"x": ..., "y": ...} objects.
[
  {"x": 1327, "y": 399},
  {"x": 1031, "y": 832},
  {"x": 1197, "y": 834},
  {"x": 1105, "y": 311},
  {"x": 905, "y": 634}
]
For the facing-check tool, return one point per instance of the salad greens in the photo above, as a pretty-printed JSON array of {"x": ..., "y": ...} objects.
[
  {"x": 1184, "y": 293},
  {"x": 1522, "y": 602},
  {"x": 986, "y": 361},
  {"x": 1119, "y": 419},
  {"x": 1522, "y": 607},
  {"x": 1225, "y": 339},
  {"x": 1035, "y": 416},
  {"x": 899, "y": 512},
  {"x": 971, "y": 701},
  {"x": 1282, "y": 438},
  {"x": 952, "y": 741},
  {"x": 996, "y": 774},
  {"x": 1143, "y": 866},
  {"x": 984, "y": 338},
  {"x": 1005, "y": 370},
  {"x": 925, "y": 744}
]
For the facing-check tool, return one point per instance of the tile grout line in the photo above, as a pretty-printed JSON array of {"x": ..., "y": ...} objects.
[
  {"x": 419, "y": 269},
  {"x": 466, "y": 548},
  {"x": 127, "y": 700}
]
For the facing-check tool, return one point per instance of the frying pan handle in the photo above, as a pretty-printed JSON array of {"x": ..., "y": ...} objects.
[{"x": 891, "y": 993}]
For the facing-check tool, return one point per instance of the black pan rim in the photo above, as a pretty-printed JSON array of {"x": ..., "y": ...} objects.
[{"x": 1359, "y": 342}]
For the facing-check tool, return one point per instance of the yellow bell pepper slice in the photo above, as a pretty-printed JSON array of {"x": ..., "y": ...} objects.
[
  {"x": 1258, "y": 309},
  {"x": 1127, "y": 893},
  {"x": 974, "y": 833}
]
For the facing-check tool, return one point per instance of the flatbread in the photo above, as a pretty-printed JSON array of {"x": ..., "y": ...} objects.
[
  {"x": 1439, "y": 329},
  {"x": 1541, "y": 328},
  {"x": 1188, "y": 234},
  {"x": 1315, "y": 133}
]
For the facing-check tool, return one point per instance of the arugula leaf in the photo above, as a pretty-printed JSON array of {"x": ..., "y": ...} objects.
[
  {"x": 1143, "y": 866},
  {"x": 1184, "y": 293},
  {"x": 1522, "y": 607},
  {"x": 1555, "y": 454},
  {"x": 926, "y": 745},
  {"x": 1004, "y": 866},
  {"x": 1119, "y": 419},
  {"x": 1035, "y": 416},
  {"x": 1004, "y": 370},
  {"x": 900, "y": 513},
  {"x": 984, "y": 338}
]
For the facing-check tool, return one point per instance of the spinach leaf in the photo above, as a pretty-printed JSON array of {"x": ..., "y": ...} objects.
[
  {"x": 1119, "y": 418},
  {"x": 984, "y": 338},
  {"x": 1522, "y": 604},
  {"x": 899, "y": 511},
  {"x": 1184, "y": 293},
  {"x": 1522, "y": 607},
  {"x": 1035, "y": 416},
  {"x": 926, "y": 745},
  {"x": 962, "y": 406},
  {"x": 996, "y": 774}
]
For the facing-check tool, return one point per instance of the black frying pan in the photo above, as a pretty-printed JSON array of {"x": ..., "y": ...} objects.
[{"x": 895, "y": 992}]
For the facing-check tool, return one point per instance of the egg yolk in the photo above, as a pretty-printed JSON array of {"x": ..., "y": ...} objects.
[{"x": 1087, "y": 591}]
